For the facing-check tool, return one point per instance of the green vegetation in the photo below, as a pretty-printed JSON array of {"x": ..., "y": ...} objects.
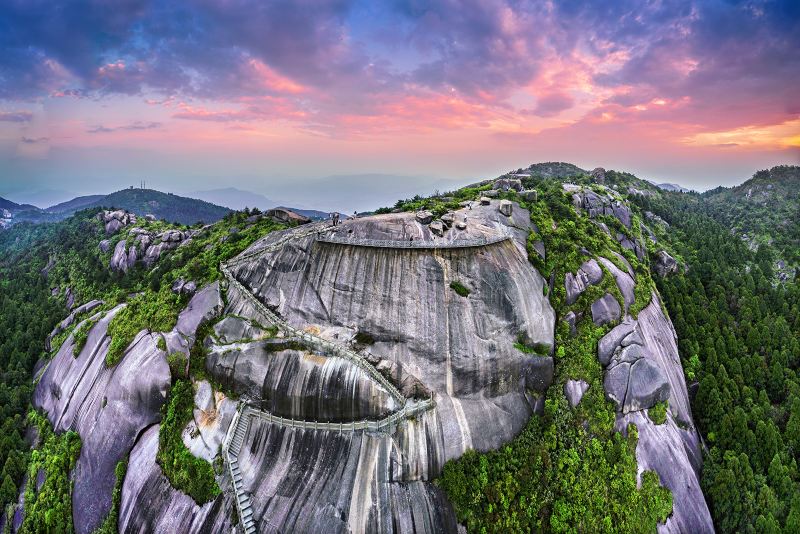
[
  {"x": 658, "y": 413},
  {"x": 439, "y": 203},
  {"x": 459, "y": 288},
  {"x": 569, "y": 470},
  {"x": 80, "y": 335},
  {"x": 177, "y": 364},
  {"x": 191, "y": 475},
  {"x": 157, "y": 312},
  {"x": 49, "y": 508},
  {"x": 764, "y": 209},
  {"x": 540, "y": 349},
  {"x": 111, "y": 523},
  {"x": 739, "y": 337},
  {"x": 28, "y": 310}
]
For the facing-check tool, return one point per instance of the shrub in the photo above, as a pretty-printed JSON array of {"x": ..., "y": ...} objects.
[
  {"x": 157, "y": 312},
  {"x": 658, "y": 413},
  {"x": 49, "y": 509},
  {"x": 80, "y": 336},
  {"x": 185, "y": 472},
  {"x": 459, "y": 288},
  {"x": 364, "y": 338},
  {"x": 177, "y": 364}
]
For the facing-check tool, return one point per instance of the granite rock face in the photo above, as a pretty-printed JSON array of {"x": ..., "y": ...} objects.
[
  {"x": 673, "y": 448},
  {"x": 633, "y": 382},
  {"x": 297, "y": 384},
  {"x": 459, "y": 349},
  {"x": 151, "y": 504},
  {"x": 108, "y": 407}
]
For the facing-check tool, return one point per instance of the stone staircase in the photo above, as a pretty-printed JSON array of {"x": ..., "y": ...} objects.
[{"x": 240, "y": 424}]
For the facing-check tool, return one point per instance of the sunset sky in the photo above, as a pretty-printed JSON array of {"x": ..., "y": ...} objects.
[{"x": 274, "y": 97}]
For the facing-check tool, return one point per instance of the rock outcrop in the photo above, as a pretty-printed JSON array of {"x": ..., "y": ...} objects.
[
  {"x": 458, "y": 348},
  {"x": 66, "y": 323},
  {"x": 147, "y": 247},
  {"x": 110, "y": 407},
  {"x": 605, "y": 310},
  {"x": 114, "y": 221},
  {"x": 151, "y": 504},
  {"x": 665, "y": 264},
  {"x": 673, "y": 448},
  {"x": 575, "y": 284},
  {"x": 574, "y": 391},
  {"x": 597, "y": 204}
]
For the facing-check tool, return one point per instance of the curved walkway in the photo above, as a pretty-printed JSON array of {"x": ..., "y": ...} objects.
[
  {"x": 418, "y": 244},
  {"x": 240, "y": 424}
]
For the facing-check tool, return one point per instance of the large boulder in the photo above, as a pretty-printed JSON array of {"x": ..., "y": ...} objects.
[
  {"x": 437, "y": 228},
  {"x": 506, "y": 184},
  {"x": 634, "y": 382},
  {"x": 609, "y": 343},
  {"x": 624, "y": 282},
  {"x": 665, "y": 264},
  {"x": 505, "y": 207},
  {"x": 424, "y": 217},
  {"x": 588, "y": 274},
  {"x": 599, "y": 175},
  {"x": 574, "y": 391},
  {"x": 205, "y": 304},
  {"x": 119, "y": 260},
  {"x": 530, "y": 195},
  {"x": 605, "y": 310}
]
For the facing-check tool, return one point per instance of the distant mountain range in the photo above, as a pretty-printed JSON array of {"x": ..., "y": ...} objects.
[
  {"x": 673, "y": 187},
  {"x": 173, "y": 208},
  {"x": 236, "y": 199},
  {"x": 167, "y": 206}
]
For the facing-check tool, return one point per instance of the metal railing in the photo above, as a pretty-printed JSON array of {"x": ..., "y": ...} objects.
[
  {"x": 314, "y": 342},
  {"x": 418, "y": 244},
  {"x": 240, "y": 424}
]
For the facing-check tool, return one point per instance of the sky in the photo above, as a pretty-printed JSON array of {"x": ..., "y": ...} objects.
[{"x": 311, "y": 102}]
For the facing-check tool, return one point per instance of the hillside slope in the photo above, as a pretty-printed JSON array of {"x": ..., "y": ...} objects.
[
  {"x": 497, "y": 358},
  {"x": 763, "y": 210}
]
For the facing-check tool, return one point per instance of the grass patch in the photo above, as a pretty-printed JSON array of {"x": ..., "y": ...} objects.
[
  {"x": 658, "y": 413},
  {"x": 185, "y": 472},
  {"x": 539, "y": 349},
  {"x": 459, "y": 288},
  {"x": 157, "y": 312},
  {"x": 80, "y": 336},
  {"x": 177, "y": 364}
]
